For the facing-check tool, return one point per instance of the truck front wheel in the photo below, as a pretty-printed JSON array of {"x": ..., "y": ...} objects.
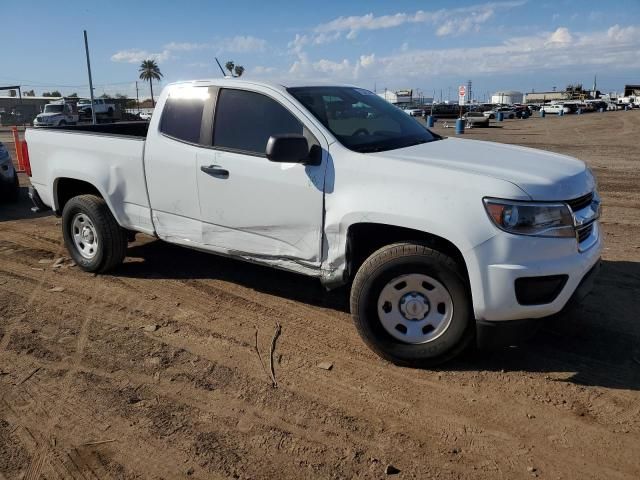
[
  {"x": 410, "y": 305},
  {"x": 91, "y": 234}
]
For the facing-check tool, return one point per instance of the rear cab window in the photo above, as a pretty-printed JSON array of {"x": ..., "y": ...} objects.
[{"x": 182, "y": 113}]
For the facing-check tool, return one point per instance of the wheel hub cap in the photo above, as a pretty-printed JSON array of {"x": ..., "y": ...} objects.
[
  {"x": 415, "y": 308},
  {"x": 84, "y": 236},
  {"x": 87, "y": 235}
]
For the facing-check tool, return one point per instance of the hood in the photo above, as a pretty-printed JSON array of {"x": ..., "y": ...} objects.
[
  {"x": 543, "y": 175},
  {"x": 49, "y": 115}
]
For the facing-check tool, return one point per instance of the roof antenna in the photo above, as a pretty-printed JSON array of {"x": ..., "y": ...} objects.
[{"x": 223, "y": 74}]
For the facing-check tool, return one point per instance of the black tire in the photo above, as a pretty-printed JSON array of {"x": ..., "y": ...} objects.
[
  {"x": 404, "y": 258},
  {"x": 62, "y": 123},
  {"x": 110, "y": 112},
  {"x": 112, "y": 239}
]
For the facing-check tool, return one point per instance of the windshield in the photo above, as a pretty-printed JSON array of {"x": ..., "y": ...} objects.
[
  {"x": 53, "y": 108},
  {"x": 361, "y": 120}
]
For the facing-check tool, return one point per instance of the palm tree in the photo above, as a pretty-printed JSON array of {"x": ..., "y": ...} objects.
[
  {"x": 229, "y": 66},
  {"x": 149, "y": 70},
  {"x": 239, "y": 70}
]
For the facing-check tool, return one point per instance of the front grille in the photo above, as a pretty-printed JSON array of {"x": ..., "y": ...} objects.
[
  {"x": 584, "y": 232},
  {"x": 581, "y": 202}
]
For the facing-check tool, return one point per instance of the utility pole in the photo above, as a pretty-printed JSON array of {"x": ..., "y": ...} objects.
[
  {"x": 137, "y": 99},
  {"x": 86, "y": 49}
]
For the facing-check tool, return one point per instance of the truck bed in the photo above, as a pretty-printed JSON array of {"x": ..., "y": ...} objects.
[{"x": 109, "y": 157}]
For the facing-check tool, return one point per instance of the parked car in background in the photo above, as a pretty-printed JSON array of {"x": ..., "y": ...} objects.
[
  {"x": 9, "y": 185},
  {"x": 57, "y": 114},
  {"x": 145, "y": 115},
  {"x": 522, "y": 111},
  {"x": 437, "y": 238},
  {"x": 555, "y": 108},
  {"x": 476, "y": 119},
  {"x": 507, "y": 112},
  {"x": 414, "y": 112},
  {"x": 102, "y": 107}
]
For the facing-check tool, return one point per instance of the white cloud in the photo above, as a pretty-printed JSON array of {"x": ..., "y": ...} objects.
[
  {"x": 614, "y": 47},
  {"x": 236, "y": 44},
  {"x": 185, "y": 46},
  {"x": 561, "y": 35},
  {"x": 323, "y": 38},
  {"x": 242, "y": 44},
  {"x": 260, "y": 70},
  {"x": 449, "y": 21},
  {"x": 199, "y": 65},
  {"x": 137, "y": 56},
  {"x": 367, "y": 60}
]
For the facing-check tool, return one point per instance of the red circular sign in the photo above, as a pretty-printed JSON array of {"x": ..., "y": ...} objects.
[{"x": 461, "y": 90}]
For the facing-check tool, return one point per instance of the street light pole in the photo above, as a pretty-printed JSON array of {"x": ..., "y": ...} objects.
[
  {"x": 137, "y": 98},
  {"x": 86, "y": 49}
]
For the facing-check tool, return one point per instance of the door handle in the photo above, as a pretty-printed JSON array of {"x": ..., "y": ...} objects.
[{"x": 215, "y": 171}]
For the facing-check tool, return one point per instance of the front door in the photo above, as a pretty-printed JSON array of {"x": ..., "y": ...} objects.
[{"x": 249, "y": 205}]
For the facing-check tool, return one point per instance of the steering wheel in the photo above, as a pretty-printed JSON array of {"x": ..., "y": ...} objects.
[{"x": 360, "y": 131}]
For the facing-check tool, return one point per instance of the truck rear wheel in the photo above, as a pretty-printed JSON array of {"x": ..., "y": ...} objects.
[
  {"x": 91, "y": 234},
  {"x": 410, "y": 305}
]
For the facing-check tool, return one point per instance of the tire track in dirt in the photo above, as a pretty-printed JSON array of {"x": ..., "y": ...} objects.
[{"x": 207, "y": 290}]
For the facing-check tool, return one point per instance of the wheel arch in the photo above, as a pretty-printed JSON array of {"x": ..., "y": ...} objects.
[
  {"x": 365, "y": 238},
  {"x": 65, "y": 188}
]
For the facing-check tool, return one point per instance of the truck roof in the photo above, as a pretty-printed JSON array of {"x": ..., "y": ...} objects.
[{"x": 278, "y": 85}]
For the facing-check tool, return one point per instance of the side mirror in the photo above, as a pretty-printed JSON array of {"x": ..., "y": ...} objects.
[{"x": 288, "y": 148}]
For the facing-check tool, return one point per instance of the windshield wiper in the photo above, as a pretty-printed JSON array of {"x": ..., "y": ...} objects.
[{"x": 370, "y": 149}]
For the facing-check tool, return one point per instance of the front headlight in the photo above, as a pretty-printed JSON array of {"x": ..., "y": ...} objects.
[{"x": 531, "y": 218}]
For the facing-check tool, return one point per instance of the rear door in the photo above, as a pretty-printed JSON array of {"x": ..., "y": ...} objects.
[{"x": 250, "y": 205}]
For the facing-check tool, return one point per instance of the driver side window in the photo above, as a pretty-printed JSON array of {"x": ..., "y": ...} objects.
[{"x": 245, "y": 120}]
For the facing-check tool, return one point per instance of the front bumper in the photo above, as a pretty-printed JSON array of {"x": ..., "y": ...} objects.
[
  {"x": 514, "y": 332},
  {"x": 495, "y": 265}
]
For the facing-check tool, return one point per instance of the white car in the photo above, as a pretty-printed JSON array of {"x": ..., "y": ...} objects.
[
  {"x": 438, "y": 239},
  {"x": 102, "y": 107},
  {"x": 508, "y": 113},
  {"x": 414, "y": 112},
  {"x": 145, "y": 115},
  {"x": 555, "y": 108},
  {"x": 56, "y": 114}
]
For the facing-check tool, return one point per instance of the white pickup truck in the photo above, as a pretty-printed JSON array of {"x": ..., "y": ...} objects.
[{"x": 440, "y": 240}]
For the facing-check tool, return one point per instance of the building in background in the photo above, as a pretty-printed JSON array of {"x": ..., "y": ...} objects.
[
  {"x": 541, "y": 97},
  {"x": 631, "y": 91},
  {"x": 507, "y": 97}
]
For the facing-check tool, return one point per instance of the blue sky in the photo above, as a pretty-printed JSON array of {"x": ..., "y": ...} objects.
[{"x": 429, "y": 45}]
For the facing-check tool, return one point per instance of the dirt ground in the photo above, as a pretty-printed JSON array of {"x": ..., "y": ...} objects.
[{"x": 152, "y": 371}]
